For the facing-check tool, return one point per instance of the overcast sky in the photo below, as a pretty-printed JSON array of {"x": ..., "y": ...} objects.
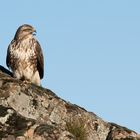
[{"x": 91, "y": 50}]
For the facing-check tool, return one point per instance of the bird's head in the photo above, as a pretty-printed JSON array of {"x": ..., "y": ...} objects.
[{"x": 24, "y": 30}]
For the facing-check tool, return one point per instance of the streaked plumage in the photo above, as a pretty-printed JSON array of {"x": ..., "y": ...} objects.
[{"x": 24, "y": 55}]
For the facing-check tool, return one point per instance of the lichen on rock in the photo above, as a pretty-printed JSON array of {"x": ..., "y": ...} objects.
[{"x": 30, "y": 112}]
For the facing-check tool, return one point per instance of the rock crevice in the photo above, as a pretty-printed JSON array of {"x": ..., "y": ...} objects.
[{"x": 30, "y": 112}]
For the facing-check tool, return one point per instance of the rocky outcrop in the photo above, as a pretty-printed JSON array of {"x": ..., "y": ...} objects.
[{"x": 30, "y": 112}]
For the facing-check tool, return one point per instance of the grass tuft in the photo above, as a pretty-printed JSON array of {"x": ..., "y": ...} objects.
[{"x": 77, "y": 128}]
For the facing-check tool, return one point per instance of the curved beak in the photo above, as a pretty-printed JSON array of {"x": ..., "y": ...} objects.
[{"x": 34, "y": 32}]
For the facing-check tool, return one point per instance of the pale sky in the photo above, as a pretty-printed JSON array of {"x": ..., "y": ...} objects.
[{"x": 91, "y": 50}]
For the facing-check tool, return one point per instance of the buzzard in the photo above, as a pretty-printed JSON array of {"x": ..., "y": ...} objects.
[{"x": 24, "y": 55}]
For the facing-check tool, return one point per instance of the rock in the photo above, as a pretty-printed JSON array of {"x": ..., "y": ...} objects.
[{"x": 30, "y": 112}]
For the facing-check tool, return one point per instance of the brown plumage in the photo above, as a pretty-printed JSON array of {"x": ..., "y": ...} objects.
[{"x": 24, "y": 55}]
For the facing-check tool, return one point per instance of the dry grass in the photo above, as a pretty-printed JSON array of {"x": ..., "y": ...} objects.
[{"x": 77, "y": 128}]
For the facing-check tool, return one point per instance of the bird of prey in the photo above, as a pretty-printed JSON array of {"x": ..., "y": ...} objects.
[{"x": 24, "y": 55}]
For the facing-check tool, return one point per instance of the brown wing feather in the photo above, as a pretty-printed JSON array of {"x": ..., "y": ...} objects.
[
  {"x": 8, "y": 57},
  {"x": 40, "y": 60}
]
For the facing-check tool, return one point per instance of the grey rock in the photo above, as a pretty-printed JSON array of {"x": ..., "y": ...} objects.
[{"x": 30, "y": 112}]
